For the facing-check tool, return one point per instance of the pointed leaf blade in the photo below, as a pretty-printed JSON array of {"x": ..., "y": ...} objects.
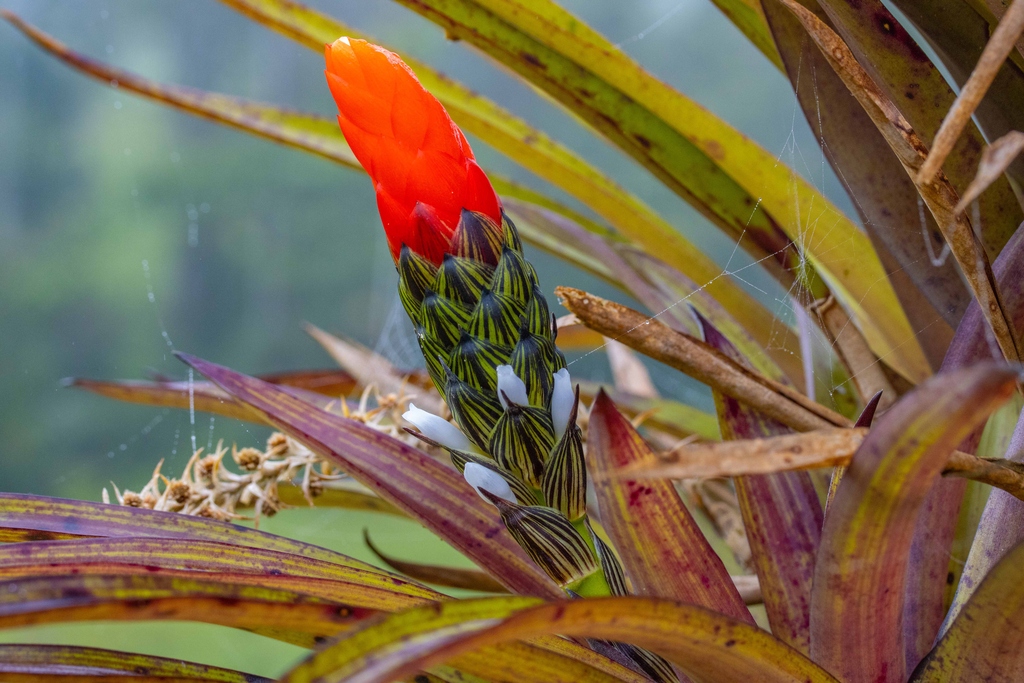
[
  {"x": 860, "y": 577},
  {"x": 663, "y": 551},
  {"x": 368, "y": 588},
  {"x": 428, "y": 491},
  {"x": 781, "y": 514},
  {"x": 31, "y": 516},
  {"x": 55, "y": 660},
  {"x": 284, "y": 615},
  {"x": 703, "y": 644},
  {"x": 986, "y": 641}
]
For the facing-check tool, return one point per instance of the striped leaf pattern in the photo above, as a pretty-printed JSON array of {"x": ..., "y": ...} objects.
[
  {"x": 549, "y": 539},
  {"x": 442, "y": 318},
  {"x": 476, "y": 361},
  {"x": 496, "y": 319},
  {"x": 480, "y": 309},
  {"x": 565, "y": 474},
  {"x": 462, "y": 279},
  {"x": 512, "y": 276},
  {"x": 477, "y": 238},
  {"x": 522, "y": 440},
  {"x": 610, "y": 564},
  {"x": 475, "y": 411}
]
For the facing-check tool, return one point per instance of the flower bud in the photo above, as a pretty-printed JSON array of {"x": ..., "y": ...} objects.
[
  {"x": 436, "y": 428},
  {"x": 484, "y": 479},
  {"x": 510, "y": 387},
  {"x": 562, "y": 401}
]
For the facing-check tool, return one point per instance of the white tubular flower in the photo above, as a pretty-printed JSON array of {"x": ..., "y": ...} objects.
[
  {"x": 482, "y": 478},
  {"x": 436, "y": 428},
  {"x": 510, "y": 385},
  {"x": 562, "y": 398}
]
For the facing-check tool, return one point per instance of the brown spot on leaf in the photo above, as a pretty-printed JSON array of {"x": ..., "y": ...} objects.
[
  {"x": 714, "y": 149},
  {"x": 533, "y": 60}
]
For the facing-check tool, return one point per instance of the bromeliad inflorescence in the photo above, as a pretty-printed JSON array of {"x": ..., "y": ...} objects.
[{"x": 482, "y": 322}]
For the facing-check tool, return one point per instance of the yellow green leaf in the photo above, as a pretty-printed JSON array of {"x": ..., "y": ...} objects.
[
  {"x": 705, "y": 645},
  {"x": 986, "y": 640},
  {"x": 369, "y": 588},
  {"x": 857, "y": 606},
  {"x": 23, "y": 663},
  {"x": 284, "y": 615},
  {"x": 700, "y": 157},
  {"x": 31, "y": 518}
]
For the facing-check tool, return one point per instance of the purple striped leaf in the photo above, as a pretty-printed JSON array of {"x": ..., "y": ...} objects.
[{"x": 781, "y": 513}]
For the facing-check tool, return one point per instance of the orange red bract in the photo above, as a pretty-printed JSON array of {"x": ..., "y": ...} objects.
[{"x": 421, "y": 164}]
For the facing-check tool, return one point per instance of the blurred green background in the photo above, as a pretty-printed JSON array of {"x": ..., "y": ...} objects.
[{"x": 127, "y": 229}]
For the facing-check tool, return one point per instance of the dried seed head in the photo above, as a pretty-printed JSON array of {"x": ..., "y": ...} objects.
[
  {"x": 207, "y": 466},
  {"x": 277, "y": 445},
  {"x": 132, "y": 499},
  {"x": 179, "y": 491},
  {"x": 248, "y": 458}
]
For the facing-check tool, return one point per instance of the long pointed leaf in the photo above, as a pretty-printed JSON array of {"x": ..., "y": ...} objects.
[
  {"x": 703, "y": 644},
  {"x": 41, "y": 518},
  {"x": 510, "y": 661},
  {"x": 284, "y": 615},
  {"x": 899, "y": 67},
  {"x": 707, "y": 162},
  {"x": 782, "y": 516},
  {"x": 450, "y": 577},
  {"x": 999, "y": 529},
  {"x": 986, "y": 641},
  {"x": 939, "y": 196},
  {"x": 883, "y": 193},
  {"x": 428, "y": 491},
  {"x": 930, "y": 556},
  {"x": 860, "y": 576},
  {"x": 201, "y": 396},
  {"x": 53, "y": 661},
  {"x": 663, "y": 551},
  {"x": 376, "y": 589}
]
